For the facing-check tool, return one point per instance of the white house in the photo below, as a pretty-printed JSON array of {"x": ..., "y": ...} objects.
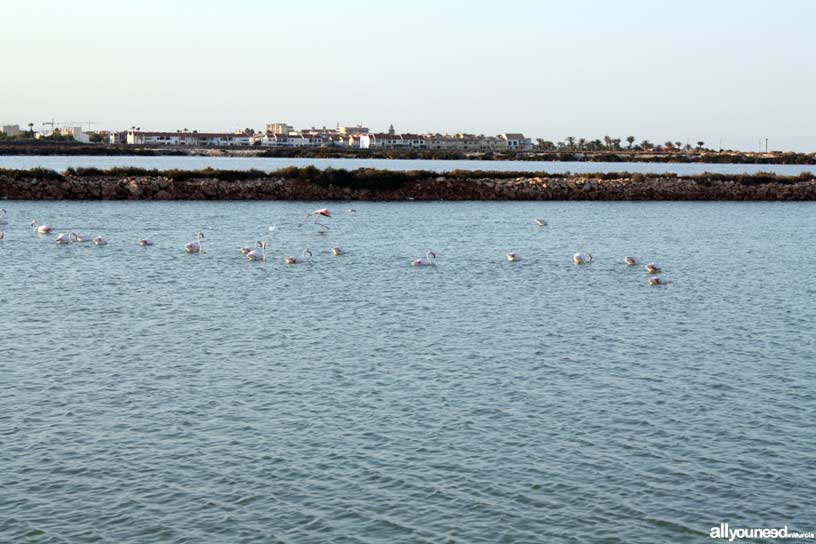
[{"x": 188, "y": 138}]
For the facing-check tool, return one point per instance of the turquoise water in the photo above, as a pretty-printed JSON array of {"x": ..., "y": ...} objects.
[
  {"x": 60, "y": 163},
  {"x": 147, "y": 395}
]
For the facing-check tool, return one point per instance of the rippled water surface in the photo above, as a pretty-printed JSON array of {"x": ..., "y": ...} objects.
[
  {"x": 60, "y": 163},
  {"x": 147, "y": 395}
]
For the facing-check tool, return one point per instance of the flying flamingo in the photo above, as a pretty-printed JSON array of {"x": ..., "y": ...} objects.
[
  {"x": 582, "y": 258},
  {"x": 98, "y": 240},
  {"x": 653, "y": 268},
  {"x": 630, "y": 261},
  {"x": 197, "y": 246},
  {"x": 62, "y": 239},
  {"x": 427, "y": 261},
  {"x": 295, "y": 260},
  {"x": 513, "y": 256},
  {"x": 41, "y": 229},
  {"x": 324, "y": 212},
  {"x": 144, "y": 242},
  {"x": 256, "y": 255}
]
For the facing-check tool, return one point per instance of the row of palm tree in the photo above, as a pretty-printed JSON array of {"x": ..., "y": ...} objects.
[{"x": 570, "y": 143}]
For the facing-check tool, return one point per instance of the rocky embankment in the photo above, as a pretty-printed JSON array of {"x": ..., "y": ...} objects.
[{"x": 460, "y": 186}]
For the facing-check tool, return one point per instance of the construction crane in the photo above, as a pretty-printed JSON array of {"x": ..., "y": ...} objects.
[
  {"x": 74, "y": 123},
  {"x": 52, "y": 123}
]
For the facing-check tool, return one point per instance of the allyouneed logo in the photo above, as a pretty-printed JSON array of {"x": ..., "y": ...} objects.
[{"x": 726, "y": 532}]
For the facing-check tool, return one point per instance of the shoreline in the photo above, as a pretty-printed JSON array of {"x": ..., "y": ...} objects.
[
  {"x": 45, "y": 148},
  {"x": 309, "y": 183}
]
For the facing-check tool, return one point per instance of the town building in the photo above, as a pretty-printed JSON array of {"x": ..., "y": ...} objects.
[
  {"x": 136, "y": 137},
  {"x": 11, "y": 130}
]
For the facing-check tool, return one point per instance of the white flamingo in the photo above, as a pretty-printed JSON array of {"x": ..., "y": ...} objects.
[
  {"x": 2, "y": 234},
  {"x": 654, "y": 280},
  {"x": 337, "y": 250},
  {"x": 245, "y": 250},
  {"x": 62, "y": 239},
  {"x": 582, "y": 258},
  {"x": 540, "y": 222},
  {"x": 76, "y": 237},
  {"x": 257, "y": 255},
  {"x": 288, "y": 259},
  {"x": 197, "y": 246},
  {"x": 41, "y": 229},
  {"x": 98, "y": 240},
  {"x": 430, "y": 256},
  {"x": 144, "y": 242},
  {"x": 630, "y": 261},
  {"x": 3, "y": 216},
  {"x": 513, "y": 257},
  {"x": 653, "y": 268}
]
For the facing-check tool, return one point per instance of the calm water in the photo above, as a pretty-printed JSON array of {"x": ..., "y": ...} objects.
[
  {"x": 60, "y": 163},
  {"x": 147, "y": 395}
]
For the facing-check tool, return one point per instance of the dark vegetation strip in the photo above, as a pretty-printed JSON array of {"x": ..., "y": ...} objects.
[{"x": 47, "y": 147}]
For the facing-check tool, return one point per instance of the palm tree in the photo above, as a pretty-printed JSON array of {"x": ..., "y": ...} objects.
[
  {"x": 630, "y": 140},
  {"x": 31, "y": 130},
  {"x": 607, "y": 141},
  {"x": 668, "y": 145},
  {"x": 700, "y": 145},
  {"x": 571, "y": 142},
  {"x": 679, "y": 145},
  {"x": 646, "y": 144},
  {"x": 581, "y": 143}
]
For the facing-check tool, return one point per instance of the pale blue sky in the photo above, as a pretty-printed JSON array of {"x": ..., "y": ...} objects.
[{"x": 682, "y": 70}]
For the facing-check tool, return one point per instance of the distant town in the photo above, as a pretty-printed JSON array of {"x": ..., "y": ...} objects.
[
  {"x": 348, "y": 139},
  {"x": 282, "y": 135}
]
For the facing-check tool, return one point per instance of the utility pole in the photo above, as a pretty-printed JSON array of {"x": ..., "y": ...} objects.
[{"x": 766, "y": 145}]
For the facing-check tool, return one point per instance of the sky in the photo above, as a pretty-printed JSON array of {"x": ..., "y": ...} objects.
[{"x": 730, "y": 71}]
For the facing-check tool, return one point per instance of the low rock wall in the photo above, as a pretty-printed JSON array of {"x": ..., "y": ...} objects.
[{"x": 433, "y": 188}]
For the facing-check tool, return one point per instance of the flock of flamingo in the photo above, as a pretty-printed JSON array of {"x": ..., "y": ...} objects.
[{"x": 258, "y": 252}]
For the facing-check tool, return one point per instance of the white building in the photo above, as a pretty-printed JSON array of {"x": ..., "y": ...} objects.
[
  {"x": 517, "y": 141},
  {"x": 77, "y": 133},
  {"x": 188, "y": 138},
  {"x": 11, "y": 130}
]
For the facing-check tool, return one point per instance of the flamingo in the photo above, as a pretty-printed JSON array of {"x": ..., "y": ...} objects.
[
  {"x": 197, "y": 246},
  {"x": 654, "y": 281},
  {"x": 288, "y": 259},
  {"x": 62, "y": 239},
  {"x": 79, "y": 238},
  {"x": 540, "y": 222},
  {"x": 351, "y": 211},
  {"x": 3, "y": 216},
  {"x": 41, "y": 229},
  {"x": 427, "y": 261},
  {"x": 337, "y": 250},
  {"x": 245, "y": 250},
  {"x": 630, "y": 261},
  {"x": 318, "y": 213},
  {"x": 653, "y": 268},
  {"x": 256, "y": 255},
  {"x": 582, "y": 258},
  {"x": 144, "y": 242},
  {"x": 513, "y": 257},
  {"x": 98, "y": 240},
  {"x": 2, "y": 234}
]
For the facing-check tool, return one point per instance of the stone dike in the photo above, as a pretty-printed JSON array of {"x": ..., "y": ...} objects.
[{"x": 311, "y": 184}]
